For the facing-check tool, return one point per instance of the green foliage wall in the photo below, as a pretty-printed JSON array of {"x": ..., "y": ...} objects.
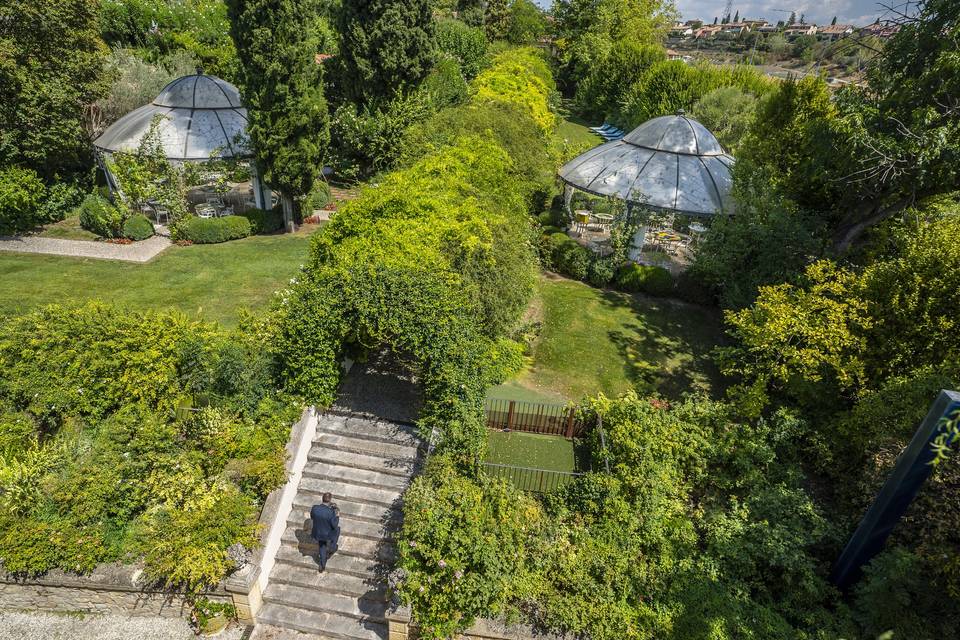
[
  {"x": 436, "y": 260},
  {"x": 101, "y": 459}
]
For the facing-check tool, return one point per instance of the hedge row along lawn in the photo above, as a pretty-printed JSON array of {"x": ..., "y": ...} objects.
[{"x": 210, "y": 282}]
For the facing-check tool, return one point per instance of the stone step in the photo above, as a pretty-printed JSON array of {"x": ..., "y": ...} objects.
[
  {"x": 347, "y": 442},
  {"x": 349, "y": 509},
  {"x": 403, "y": 468},
  {"x": 321, "y": 602},
  {"x": 366, "y": 588},
  {"x": 311, "y": 491},
  {"x": 348, "y": 525},
  {"x": 291, "y": 556},
  {"x": 325, "y": 625},
  {"x": 365, "y": 477},
  {"x": 348, "y": 544},
  {"x": 376, "y": 431}
]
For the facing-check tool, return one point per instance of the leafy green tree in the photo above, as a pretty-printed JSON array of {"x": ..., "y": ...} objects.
[
  {"x": 727, "y": 112},
  {"x": 806, "y": 342},
  {"x": 282, "y": 87},
  {"x": 601, "y": 93},
  {"x": 527, "y": 22},
  {"x": 496, "y": 19},
  {"x": 51, "y": 70},
  {"x": 587, "y": 31},
  {"x": 386, "y": 48}
]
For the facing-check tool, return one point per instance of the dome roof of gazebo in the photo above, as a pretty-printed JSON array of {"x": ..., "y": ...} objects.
[
  {"x": 670, "y": 162},
  {"x": 202, "y": 118}
]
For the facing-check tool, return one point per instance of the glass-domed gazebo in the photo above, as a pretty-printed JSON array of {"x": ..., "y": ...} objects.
[
  {"x": 671, "y": 163},
  {"x": 200, "y": 118}
]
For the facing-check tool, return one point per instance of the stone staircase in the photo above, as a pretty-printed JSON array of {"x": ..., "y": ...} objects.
[{"x": 366, "y": 463}]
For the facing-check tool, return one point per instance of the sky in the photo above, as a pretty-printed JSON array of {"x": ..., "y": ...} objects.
[{"x": 857, "y": 12}]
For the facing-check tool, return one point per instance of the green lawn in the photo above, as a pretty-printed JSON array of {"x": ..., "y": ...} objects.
[
  {"x": 68, "y": 229},
  {"x": 602, "y": 341},
  {"x": 577, "y": 135},
  {"x": 532, "y": 451},
  {"x": 210, "y": 282}
]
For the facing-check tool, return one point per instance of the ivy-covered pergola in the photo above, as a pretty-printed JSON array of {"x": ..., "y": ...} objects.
[{"x": 671, "y": 163}]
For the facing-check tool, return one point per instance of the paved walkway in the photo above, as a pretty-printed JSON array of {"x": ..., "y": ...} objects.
[
  {"x": 137, "y": 252},
  {"x": 49, "y": 626}
]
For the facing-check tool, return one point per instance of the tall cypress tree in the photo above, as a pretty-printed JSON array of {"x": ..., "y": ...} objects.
[
  {"x": 282, "y": 87},
  {"x": 496, "y": 21},
  {"x": 386, "y": 48}
]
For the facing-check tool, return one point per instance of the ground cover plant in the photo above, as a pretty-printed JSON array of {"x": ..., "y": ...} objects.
[{"x": 132, "y": 435}]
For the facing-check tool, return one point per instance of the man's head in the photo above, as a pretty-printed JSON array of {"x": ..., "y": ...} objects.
[{"x": 327, "y": 498}]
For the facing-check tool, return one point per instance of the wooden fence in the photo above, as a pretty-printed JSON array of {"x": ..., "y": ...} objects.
[
  {"x": 533, "y": 480},
  {"x": 531, "y": 417}
]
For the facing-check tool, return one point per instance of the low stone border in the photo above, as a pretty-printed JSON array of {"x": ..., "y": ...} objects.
[
  {"x": 143, "y": 251},
  {"x": 247, "y": 585},
  {"x": 401, "y": 628},
  {"x": 111, "y": 588}
]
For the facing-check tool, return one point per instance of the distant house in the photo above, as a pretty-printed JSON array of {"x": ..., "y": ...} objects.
[
  {"x": 707, "y": 32},
  {"x": 797, "y": 30},
  {"x": 694, "y": 24},
  {"x": 754, "y": 24},
  {"x": 735, "y": 28},
  {"x": 768, "y": 28},
  {"x": 681, "y": 30},
  {"x": 835, "y": 31},
  {"x": 880, "y": 30}
]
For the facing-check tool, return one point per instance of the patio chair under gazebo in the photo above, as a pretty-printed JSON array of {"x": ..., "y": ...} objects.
[
  {"x": 671, "y": 163},
  {"x": 201, "y": 119}
]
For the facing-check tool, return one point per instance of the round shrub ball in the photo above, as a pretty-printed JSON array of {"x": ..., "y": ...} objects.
[
  {"x": 137, "y": 227},
  {"x": 636, "y": 278},
  {"x": 100, "y": 216}
]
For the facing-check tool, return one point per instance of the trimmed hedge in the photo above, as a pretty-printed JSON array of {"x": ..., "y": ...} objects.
[
  {"x": 100, "y": 216},
  {"x": 636, "y": 278},
  {"x": 212, "y": 230},
  {"x": 137, "y": 227},
  {"x": 263, "y": 221}
]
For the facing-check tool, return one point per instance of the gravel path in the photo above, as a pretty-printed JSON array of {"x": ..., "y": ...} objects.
[
  {"x": 137, "y": 252},
  {"x": 48, "y": 626}
]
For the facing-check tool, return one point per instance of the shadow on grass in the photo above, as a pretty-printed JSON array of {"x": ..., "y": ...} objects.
[{"x": 669, "y": 349}]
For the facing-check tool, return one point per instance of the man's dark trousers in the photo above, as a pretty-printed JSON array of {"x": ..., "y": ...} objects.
[{"x": 326, "y": 530}]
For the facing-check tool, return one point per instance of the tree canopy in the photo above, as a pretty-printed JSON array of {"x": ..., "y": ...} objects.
[
  {"x": 282, "y": 87},
  {"x": 386, "y": 48},
  {"x": 51, "y": 69}
]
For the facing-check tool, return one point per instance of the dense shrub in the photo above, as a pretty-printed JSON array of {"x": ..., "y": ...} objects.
[
  {"x": 572, "y": 260},
  {"x": 62, "y": 199},
  {"x": 100, "y": 216},
  {"x": 21, "y": 199},
  {"x": 445, "y": 86},
  {"x": 601, "y": 272},
  {"x": 652, "y": 280},
  {"x": 137, "y": 228},
  {"x": 212, "y": 230},
  {"x": 123, "y": 473},
  {"x": 262, "y": 222},
  {"x": 463, "y": 545},
  {"x": 521, "y": 77},
  {"x": 671, "y": 85},
  {"x": 466, "y": 44}
]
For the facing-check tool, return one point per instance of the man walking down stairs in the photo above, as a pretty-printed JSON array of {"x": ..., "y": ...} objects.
[{"x": 365, "y": 464}]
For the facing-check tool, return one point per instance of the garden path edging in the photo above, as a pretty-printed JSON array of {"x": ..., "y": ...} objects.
[{"x": 141, "y": 252}]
